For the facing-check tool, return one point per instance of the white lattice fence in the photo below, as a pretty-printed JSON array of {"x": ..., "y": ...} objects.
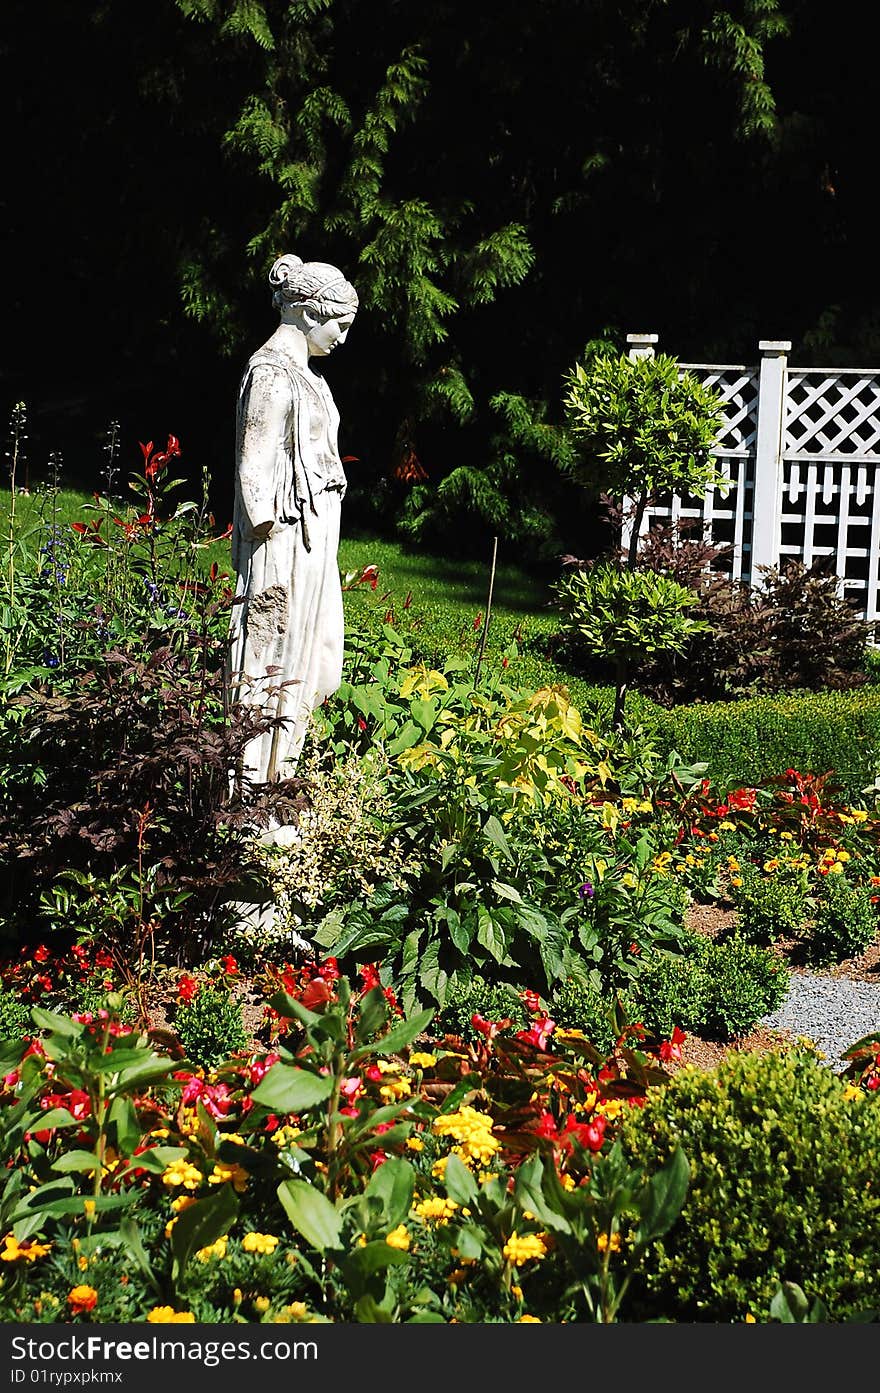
[{"x": 801, "y": 449}]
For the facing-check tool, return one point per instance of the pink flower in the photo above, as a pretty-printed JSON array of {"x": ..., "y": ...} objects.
[{"x": 539, "y": 1034}]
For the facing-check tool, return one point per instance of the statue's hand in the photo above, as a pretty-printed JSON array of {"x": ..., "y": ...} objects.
[{"x": 262, "y": 530}]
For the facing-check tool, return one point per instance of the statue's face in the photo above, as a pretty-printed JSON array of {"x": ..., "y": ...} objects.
[{"x": 327, "y": 336}]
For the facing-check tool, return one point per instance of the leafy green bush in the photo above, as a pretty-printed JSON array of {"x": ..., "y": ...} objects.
[
  {"x": 769, "y": 907},
  {"x": 494, "y": 1001},
  {"x": 845, "y": 922},
  {"x": 721, "y": 988},
  {"x": 744, "y": 742},
  {"x": 673, "y": 991},
  {"x": 15, "y": 1016},
  {"x": 581, "y": 1006},
  {"x": 783, "y": 1187},
  {"x": 746, "y": 983},
  {"x": 210, "y": 1026}
]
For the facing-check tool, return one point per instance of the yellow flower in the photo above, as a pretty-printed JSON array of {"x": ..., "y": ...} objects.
[
  {"x": 89, "y": 1207},
  {"x": 415, "y": 1143},
  {"x": 837, "y": 868},
  {"x": 786, "y": 836},
  {"x": 182, "y": 1173},
  {"x": 750, "y": 1319},
  {"x": 519, "y": 1250},
  {"x": 82, "y": 1299},
  {"x": 28, "y": 1251},
  {"x": 398, "y": 1238},
  {"x": 297, "y": 1310},
  {"x": 771, "y": 865},
  {"x": 166, "y": 1315},
  {"x": 606, "y": 1242},
  {"x": 260, "y": 1242},
  {"x": 529, "y": 1320},
  {"x": 420, "y": 1060},
  {"x": 261, "y": 1304},
  {"x": 213, "y": 1250},
  {"x": 516, "y": 1291},
  {"x": 727, "y": 826},
  {"x": 394, "y": 1089},
  {"x": 733, "y": 863},
  {"x": 843, "y": 856},
  {"x": 858, "y": 815},
  {"x": 851, "y": 1092},
  {"x": 183, "y": 1202},
  {"x": 567, "y": 1181},
  {"x": 436, "y": 1207},
  {"x": 736, "y": 880},
  {"x": 473, "y": 1131},
  {"x": 224, "y": 1171},
  {"x": 285, "y": 1136}
]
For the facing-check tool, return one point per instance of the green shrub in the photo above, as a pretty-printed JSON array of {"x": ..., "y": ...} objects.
[
  {"x": 579, "y": 1006},
  {"x": 769, "y": 907},
  {"x": 845, "y": 922},
  {"x": 210, "y": 1027},
  {"x": 719, "y": 988},
  {"x": 494, "y": 1001},
  {"x": 743, "y": 742},
  {"x": 783, "y": 1187},
  {"x": 15, "y": 1016},
  {"x": 745, "y": 983},
  {"x": 673, "y": 991}
]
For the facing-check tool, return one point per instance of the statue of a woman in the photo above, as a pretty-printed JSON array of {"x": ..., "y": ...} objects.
[{"x": 286, "y": 632}]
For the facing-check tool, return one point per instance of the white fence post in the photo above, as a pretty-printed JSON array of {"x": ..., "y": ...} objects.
[
  {"x": 640, "y": 346},
  {"x": 766, "y": 506}
]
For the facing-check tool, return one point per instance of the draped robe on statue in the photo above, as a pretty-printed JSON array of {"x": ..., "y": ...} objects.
[{"x": 287, "y": 626}]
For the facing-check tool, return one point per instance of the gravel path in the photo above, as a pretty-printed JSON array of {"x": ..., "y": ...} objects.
[{"x": 832, "y": 1011}]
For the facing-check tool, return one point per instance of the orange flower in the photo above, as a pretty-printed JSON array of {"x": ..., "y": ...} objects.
[{"x": 82, "y": 1299}]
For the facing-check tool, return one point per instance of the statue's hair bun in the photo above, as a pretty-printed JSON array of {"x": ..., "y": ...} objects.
[{"x": 311, "y": 284}]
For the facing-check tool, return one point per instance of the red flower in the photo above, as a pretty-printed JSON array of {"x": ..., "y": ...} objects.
[
  {"x": 41, "y": 953},
  {"x": 316, "y": 994},
  {"x": 369, "y": 576},
  {"x": 187, "y": 988},
  {"x": 671, "y": 1049},
  {"x": 488, "y": 1028},
  {"x": 532, "y": 1002},
  {"x": 478, "y": 621},
  {"x": 590, "y": 1135},
  {"x": 539, "y": 1034},
  {"x": 329, "y": 970},
  {"x": 369, "y": 976},
  {"x": 743, "y": 799},
  {"x": 229, "y": 965}
]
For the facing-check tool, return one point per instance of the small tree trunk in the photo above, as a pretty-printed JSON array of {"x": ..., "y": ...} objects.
[
  {"x": 633, "y": 552},
  {"x": 620, "y": 693}
]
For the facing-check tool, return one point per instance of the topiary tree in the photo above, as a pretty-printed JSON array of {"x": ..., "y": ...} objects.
[
  {"x": 644, "y": 427},
  {"x": 621, "y": 616}
]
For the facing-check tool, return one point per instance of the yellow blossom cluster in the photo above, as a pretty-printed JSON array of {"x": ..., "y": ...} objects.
[
  {"x": 166, "y": 1315},
  {"x": 398, "y": 1238},
  {"x": 182, "y": 1173},
  {"x": 436, "y": 1208},
  {"x": 522, "y": 1249},
  {"x": 472, "y": 1131},
  {"x": 224, "y": 1170},
  {"x": 27, "y": 1251},
  {"x": 264, "y": 1243},
  {"x": 213, "y": 1250}
]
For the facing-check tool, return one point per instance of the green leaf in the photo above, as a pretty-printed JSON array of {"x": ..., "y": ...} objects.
[
  {"x": 491, "y": 935},
  {"x": 373, "y": 1015},
  {"x": 469, "y": 1242},
  {"x": 374, "y": 1257},
  {"x": 529, "y": 1194},
  {"x": 460, "y": 1184},
  {"x": 397, "y": 1038},
  {"x": 75, "y": 1161},
  {"x": 789, "y": 1305},
  {"x": 201, "y": 1224},
  {"x": 130, "y": 1235},
  {"x": 311, "y": 1214},
  {"x": 369, "y": 1312},
  {"x": 59, "y": 1025},
  {"x": 663, "y": 1198},
  {"x": 393, "y": 1185},
  {"x": 288, "y": 1089},
  {"x": 123, "y": 1116},
  {"x": 493, "y": 830}
]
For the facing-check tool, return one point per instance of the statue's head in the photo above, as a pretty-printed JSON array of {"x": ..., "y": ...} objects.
[{"x": 317, "y": 297}]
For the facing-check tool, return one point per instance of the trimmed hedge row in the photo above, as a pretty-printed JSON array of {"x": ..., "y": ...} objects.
[{"x": 744, "y": 742}]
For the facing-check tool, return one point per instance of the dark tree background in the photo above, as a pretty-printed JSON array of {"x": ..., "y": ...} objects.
[{"x": 503, "y": 183}]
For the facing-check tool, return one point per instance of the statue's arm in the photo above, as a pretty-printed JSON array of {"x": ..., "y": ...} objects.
[{"x": 266, "y": 413}]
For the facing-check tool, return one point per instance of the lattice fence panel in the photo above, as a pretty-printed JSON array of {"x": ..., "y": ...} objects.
[
  {"x": 831, "y": 414},
  {"x": 724, "y": 514}
]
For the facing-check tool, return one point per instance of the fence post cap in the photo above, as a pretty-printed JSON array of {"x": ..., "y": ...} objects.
[
  {"x": 644, "y": 338},
  {"x": 774, "y": 347}
]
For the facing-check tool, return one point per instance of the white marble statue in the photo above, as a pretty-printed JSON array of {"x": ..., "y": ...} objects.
[{"x": 286, "y": 632}]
